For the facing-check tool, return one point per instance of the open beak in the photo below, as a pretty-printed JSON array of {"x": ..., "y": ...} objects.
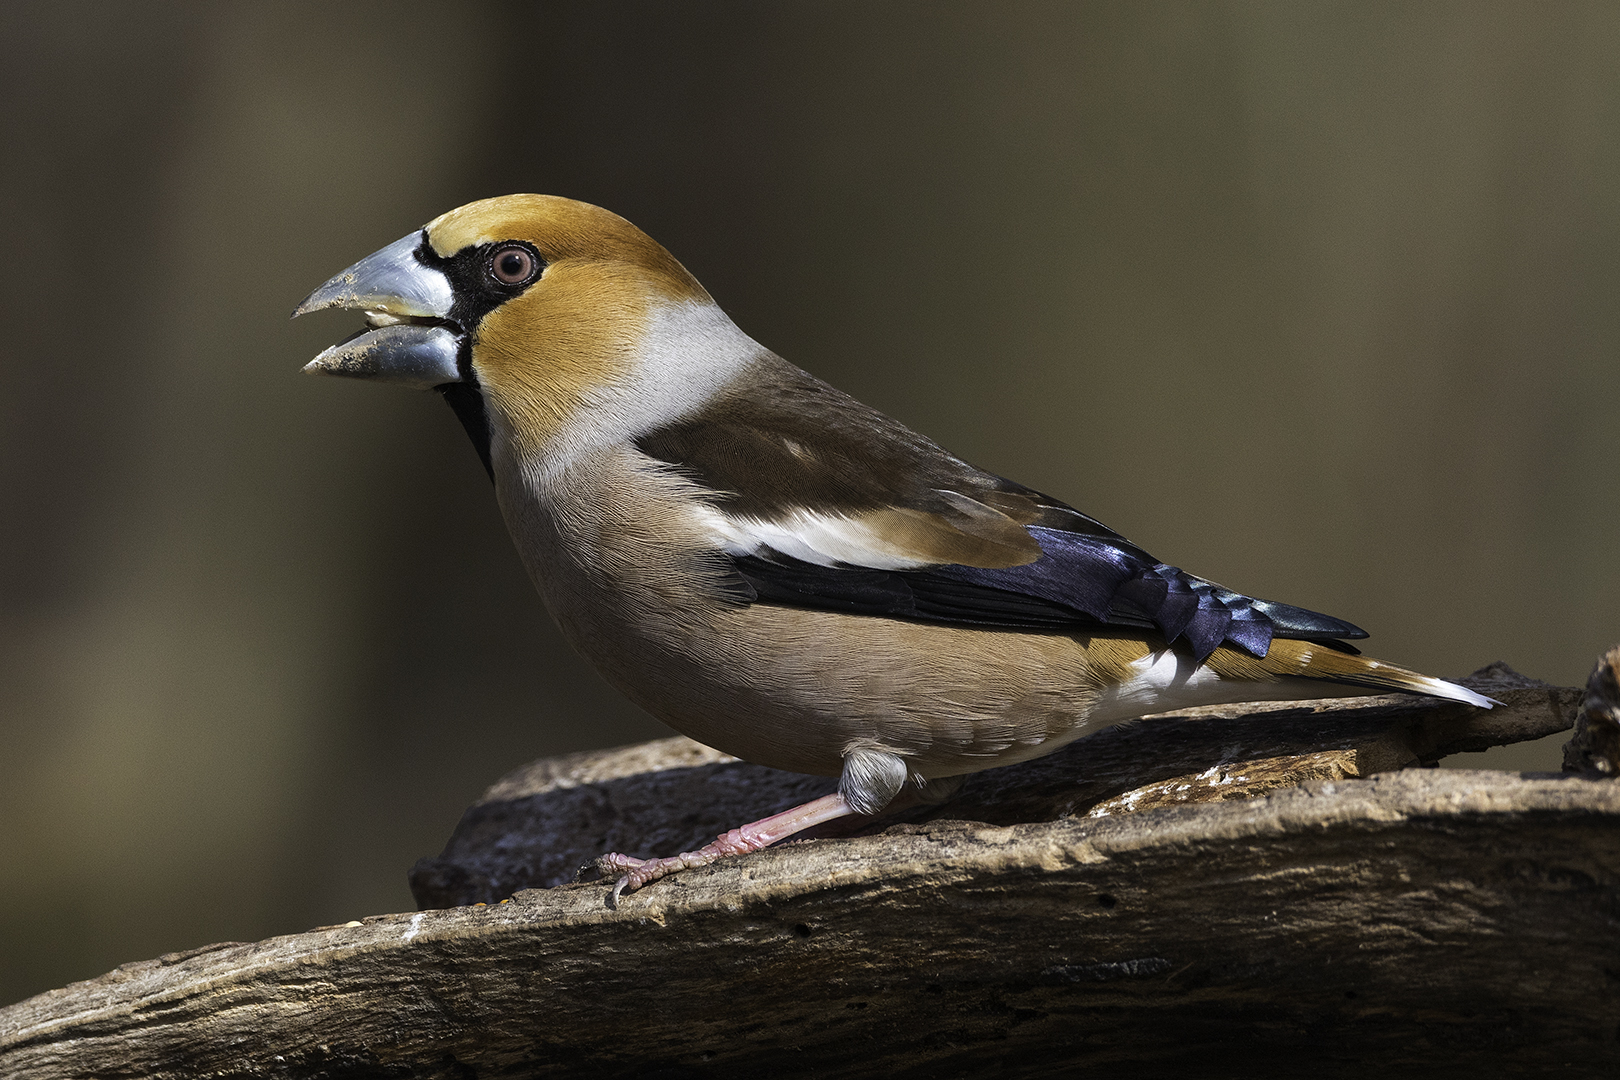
[{"x": 409, "y": 338}]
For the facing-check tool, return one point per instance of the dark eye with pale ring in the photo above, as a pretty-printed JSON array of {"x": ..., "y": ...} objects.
[{"x": 513, "y": 265}]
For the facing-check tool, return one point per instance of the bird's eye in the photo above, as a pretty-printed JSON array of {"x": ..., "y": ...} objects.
[{"x": 513, "y": 265}]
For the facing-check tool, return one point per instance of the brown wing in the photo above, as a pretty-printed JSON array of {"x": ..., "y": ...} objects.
[
  {"x": 793, "y": 449},
  {"x": 825, "y": 502}
]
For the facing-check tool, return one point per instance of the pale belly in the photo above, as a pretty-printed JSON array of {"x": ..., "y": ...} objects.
[{"x": 794, "y": 689}]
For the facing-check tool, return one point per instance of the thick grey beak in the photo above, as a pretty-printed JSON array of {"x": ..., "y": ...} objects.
[{"x": 406, "y": 304}]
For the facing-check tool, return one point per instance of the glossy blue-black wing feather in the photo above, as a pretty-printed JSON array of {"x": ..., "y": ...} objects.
[{"x": 1082, "y": 580}]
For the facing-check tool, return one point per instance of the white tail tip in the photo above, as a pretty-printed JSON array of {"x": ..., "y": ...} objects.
[{"x": 1443, "y": 689}]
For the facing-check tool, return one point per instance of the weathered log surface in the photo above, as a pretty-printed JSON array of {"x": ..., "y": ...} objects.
[
  {"x": 536, "y": 827},
  {"x": 1450, "y": 922},
  {"x": 1594, "y": 747},
  {"x": 1429, "y": 922}
]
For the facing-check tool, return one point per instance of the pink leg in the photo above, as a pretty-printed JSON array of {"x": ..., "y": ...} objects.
[{"x": 751, "y": 837}]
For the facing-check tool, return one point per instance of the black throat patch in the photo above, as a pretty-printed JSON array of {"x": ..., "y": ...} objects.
[{"x": 475, "y": 293}]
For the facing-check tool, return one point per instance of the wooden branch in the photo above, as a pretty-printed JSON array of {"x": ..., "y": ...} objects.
[
  {"x": 1417, "y": 920},
  {"x": 1595, "y": 745},
  {"x": 537, "y": 826}
]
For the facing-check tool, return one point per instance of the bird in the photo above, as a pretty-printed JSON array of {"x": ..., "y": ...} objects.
[{"x": 772, "y": 567}]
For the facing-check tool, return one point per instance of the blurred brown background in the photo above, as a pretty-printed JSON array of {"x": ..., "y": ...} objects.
[{"x": 1321, "y": 300}]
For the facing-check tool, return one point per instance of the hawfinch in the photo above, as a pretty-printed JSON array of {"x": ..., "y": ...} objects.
[{"x": 768, "y": 565}]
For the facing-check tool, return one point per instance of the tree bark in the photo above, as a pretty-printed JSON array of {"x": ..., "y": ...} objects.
[{"x": 1437, "y": 920}]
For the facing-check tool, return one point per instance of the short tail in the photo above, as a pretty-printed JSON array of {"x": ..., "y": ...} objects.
[{"x": 1308, "y": 660}]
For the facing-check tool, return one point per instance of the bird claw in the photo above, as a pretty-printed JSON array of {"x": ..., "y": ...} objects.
[
  {"x": 634, "y": 873},
  {"x": 614, "y": 863},
  {"x": 608, "y": 865}
]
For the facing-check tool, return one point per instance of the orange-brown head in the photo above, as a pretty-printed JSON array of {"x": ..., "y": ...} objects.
[{"x": 543, "y": 320}]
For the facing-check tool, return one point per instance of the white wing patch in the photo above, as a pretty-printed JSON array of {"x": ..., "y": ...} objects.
[{"x": 822, "y": 539}]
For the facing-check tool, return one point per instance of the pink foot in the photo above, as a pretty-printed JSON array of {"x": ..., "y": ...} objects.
[{"x": 638, "y": 872}]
